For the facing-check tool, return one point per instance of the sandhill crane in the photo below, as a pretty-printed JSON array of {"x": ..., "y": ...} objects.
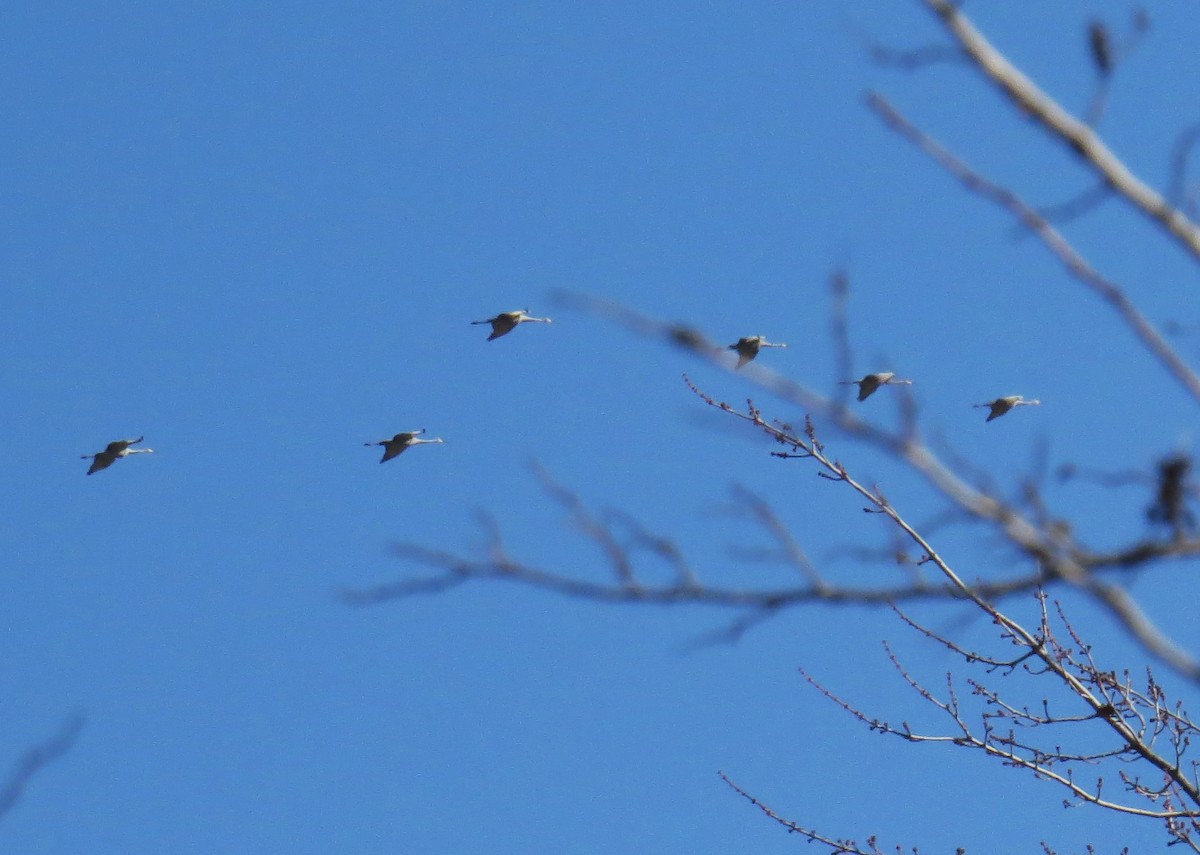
[
  {"x": 396, "y": 446},
  {"x": 1000, "y": 406},
  {"x": 871, "y": 383},
  {"x": 747, "y": 347},
  {"x": 506, "y": 322},
  {"x": 115, "y": 449}
]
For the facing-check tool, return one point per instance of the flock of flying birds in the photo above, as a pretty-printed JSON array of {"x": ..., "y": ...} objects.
[
  {"x": 502, "y": 324},
  {"x": 748, "y": 347}
]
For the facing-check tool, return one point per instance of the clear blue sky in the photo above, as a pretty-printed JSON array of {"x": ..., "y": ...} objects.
[{"x": 257, "y": 236}]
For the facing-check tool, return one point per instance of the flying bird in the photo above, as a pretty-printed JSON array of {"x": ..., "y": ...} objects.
[
  {"x": 397, "y": 445},
  {"x": 506, "y": 322},
  {"x": 115, "y": 449},
  {"x": 747, "y": 347},
  {"x": 1000, "y": 406},
  {"x": 870, "y": 384}
]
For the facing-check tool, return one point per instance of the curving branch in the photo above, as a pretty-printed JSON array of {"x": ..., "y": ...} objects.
[
  {"x": 1181, "y": 154},
  {"x": 838, "y": 846},
  {"x": 1083, "y": 203},
  {"x": 37, "y": 757},
  {"x": 1075, "y": 134},
  {"x": 1072, "y": 260}
]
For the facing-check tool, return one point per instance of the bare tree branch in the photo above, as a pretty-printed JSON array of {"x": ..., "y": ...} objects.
[
  {"x": 1178, "y": 193},
  {"x": 1142, "y": 719},
  {"x": 839, "y": 285},
  {"x": 916, "y": 57},
  {"x": 1072, "y": 209},
  {"x": 1080, "y": 138},
  {"x": 836, "y": 846},
  {"x": 788, "y": 549},
  {"x": 1075, "y": 263},
  {"x": 35, "y": 759}
]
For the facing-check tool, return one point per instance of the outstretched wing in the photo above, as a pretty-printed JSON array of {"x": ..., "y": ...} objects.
[
  {"x": 392, "y": 449},
  {"x": 103, "y": 460},
  {"x": 502, "y": 325}
]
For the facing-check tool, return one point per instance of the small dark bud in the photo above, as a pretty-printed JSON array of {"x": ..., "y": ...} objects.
[{"x": 1101, "y": 47}]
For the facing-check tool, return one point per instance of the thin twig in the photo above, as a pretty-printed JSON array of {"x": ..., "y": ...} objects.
[{"x": 36, "y": 758}]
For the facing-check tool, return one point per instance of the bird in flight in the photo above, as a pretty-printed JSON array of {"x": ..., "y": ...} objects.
[
  {"x": 870, "y": 384},
  {"x": 115, "y": 449},
  {"x": 747, "y": 347},
  {"x": 399, "y": 443},
  {"x": 506, "y": 322},
  {"x": 1000, "y": 406}
]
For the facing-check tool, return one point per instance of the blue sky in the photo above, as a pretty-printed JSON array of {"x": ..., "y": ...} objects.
[{"x": 257, "y": 236}]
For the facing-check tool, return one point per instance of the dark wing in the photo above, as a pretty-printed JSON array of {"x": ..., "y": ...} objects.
[
  {"x": 103, "y": 460},
  {"x": 871, "y": 384},
  {"x": 502, "y": 325},
  {"x": 392, "y": 449}
]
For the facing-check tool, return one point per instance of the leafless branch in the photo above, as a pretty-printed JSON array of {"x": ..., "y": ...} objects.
[
  {"x": 915, "y": 58},
  {"x": 787, "y": 547},
  {"x": 836, "y": 846},
  {"x": 1076, "y": 207},
  {"x": 35, "y": 759},
  {"x": 1181, "y": 154},
  {"x": 1075, "y": 263},
  {"x": 1035, "y": 738},
  {"x": 909, "y": 59},
  {"x": 839, "y": 286},
  {"x": 1075, "y": 134},
  {"x": 595, "y": 529}
]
